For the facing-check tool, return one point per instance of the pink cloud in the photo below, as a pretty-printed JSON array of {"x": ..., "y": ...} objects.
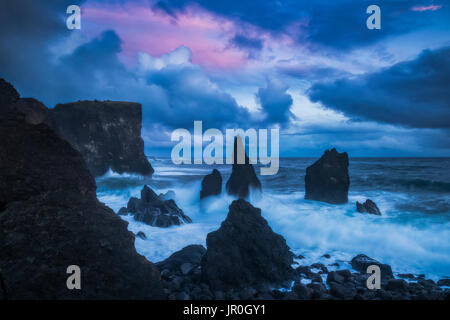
[
  {"x": 426, "y": 8},
  {"x": 144, "y": 30}
]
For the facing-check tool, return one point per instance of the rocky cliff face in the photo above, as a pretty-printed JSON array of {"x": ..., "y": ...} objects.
[
  {"x": 243, "y": 176},
  {"x": 50, "y": 219},
  {"x": 327, "y": 179},
  {"x": 106, "y": 133},
  {"x": 245, "y": 251}
]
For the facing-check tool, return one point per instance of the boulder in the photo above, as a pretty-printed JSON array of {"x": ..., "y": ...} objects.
[
  {"x": 245, "y": 251},
  {"x": 191, "y": 254},
  {"x": 50, "y": 219},
  {"x": 243, "y": 176},
  {"x": 154, "y": 210},
  {"x": 368, "y": 207},
  {"x": 327, "y": 179},
  {"x": 211, "y": 184},
  {"x": 141, "y": 235},
  {"x": 106, "y": 133},
  {"x": 361, "y": 262}
]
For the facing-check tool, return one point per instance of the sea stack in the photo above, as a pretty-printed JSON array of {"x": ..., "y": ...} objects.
[
  {"x": 211, "y": 184},
  {"x": 327, "y": 179},
  {"x": 243, "y": 176},
  {"x": 50, "y": 219},
  {"x": 106, "y": 133},
  {"x": 245, "y": 251},
  {"x": 155, "y": 210},
  {"x": 368, "y": 207}
]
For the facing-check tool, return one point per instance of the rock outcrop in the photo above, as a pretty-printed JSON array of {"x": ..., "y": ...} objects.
[
  {"x": 368, "y": 207},
  {"x": 245, "y": 251},
  {"x": 189, "y": 256},
  {"x": 154, "y": 210},
  {"x": 50, "y": 219},
  {"x": 361, "y": 262},
  {"x": 106, "y": 133},
  {"x": 327, "y": 179},
  {"x": 211, "y": 184},
  {"x": 243, "y": 177}
]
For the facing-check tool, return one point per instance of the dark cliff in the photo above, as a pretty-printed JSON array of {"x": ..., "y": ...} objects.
[
  {"x": 106, "y": 133},
  {"x": 50, "y": 219}
]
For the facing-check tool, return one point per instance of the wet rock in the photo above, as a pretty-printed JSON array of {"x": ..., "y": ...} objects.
[
  {"x": 406, "y": 276},
  {"x": 141, "y": 235},
  {"x": 186, "y": 268},
  {"x": 245, "y": 251},
  {"x": 361, "y": 262},
  {"x": 327, "y": 179},
  {"x": 191, "y": 254},
  {"x": 320, "y": 266},
  {"x": 243, "y": 176},
  {"x": 335, "y": 277},
  {"x": 368, "y": 207},
  {"x": 397, "y": 285},
  {"x": 154, "y": 210},
  {"x": 326, "y": 256},
  {"x": 444, "y": 282},
  {"x": 211, "y": 184},
  {"x": 342, "y": 291}
]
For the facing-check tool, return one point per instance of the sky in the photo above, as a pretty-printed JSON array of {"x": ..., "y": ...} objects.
[{"x": 310, "y": 68}]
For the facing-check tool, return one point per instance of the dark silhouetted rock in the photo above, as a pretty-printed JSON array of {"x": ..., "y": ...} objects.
[
  {"x": 444, "y": 282},
  {"x": 361, "y": 262},
  {"x": 327, "y": 179},
  {"x": 245, "y": 251},
  {"x": 396, "y": 285},
  {"x": 154, "y": 210},
  {"x": 141, "y": 235},
  {"x": 368, "y": 207},
  {"x": 243, "y": 176},
  {"x": 191, "y": 254},
  {"x": 50, "y": 219},
  {"x": 211, "y": 184},
  {"x": 107, "y": 133}
]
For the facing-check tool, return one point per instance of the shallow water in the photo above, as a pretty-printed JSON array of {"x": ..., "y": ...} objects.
[{"x": 412, "y": 235}]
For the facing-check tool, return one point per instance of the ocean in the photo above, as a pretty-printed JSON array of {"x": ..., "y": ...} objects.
[{"x": 413, "y": 194}]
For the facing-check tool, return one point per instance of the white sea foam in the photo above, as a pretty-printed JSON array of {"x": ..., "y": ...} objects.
[{"x": 410, "y": 243}]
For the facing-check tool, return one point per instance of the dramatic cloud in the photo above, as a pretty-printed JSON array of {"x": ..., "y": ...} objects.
[
  {"x": 413, "y": 93},
  {"x": 187, "y": 60},
  {"x": 275, "y": 101},
  {"x": 337, "y": 24}
]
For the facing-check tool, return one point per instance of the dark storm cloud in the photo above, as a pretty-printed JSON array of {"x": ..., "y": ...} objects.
[
  {"x": 27, "y": 27},
  {"x": 276, "y": 102},
  {"x": 413, "y": 93},
  {"x": 336, "y": 24}
]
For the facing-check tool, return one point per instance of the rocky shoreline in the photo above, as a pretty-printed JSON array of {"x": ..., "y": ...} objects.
[
  {"x": 50, "y": 218},
  {"x": 312, "y": 282}
]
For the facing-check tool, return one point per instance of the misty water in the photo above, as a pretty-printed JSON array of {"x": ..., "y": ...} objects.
[{"x": 412, "y": 235}]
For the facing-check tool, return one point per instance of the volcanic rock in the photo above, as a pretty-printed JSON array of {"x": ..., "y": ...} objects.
[
  {"x": 327, "y": 179},
  {"x": 191, "y": 254},
  {"x": 245, "y": 251},
  {"x": 154, "y": 210},
  {"x": 368, "y": 207},
  {"x": 211, "y": 184},
  {"x": 361, "y": 262},
  {"x": 106, "y": 133},
  {"x": 243, "y": 175},
  {"x": 50, "y": 219}
]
